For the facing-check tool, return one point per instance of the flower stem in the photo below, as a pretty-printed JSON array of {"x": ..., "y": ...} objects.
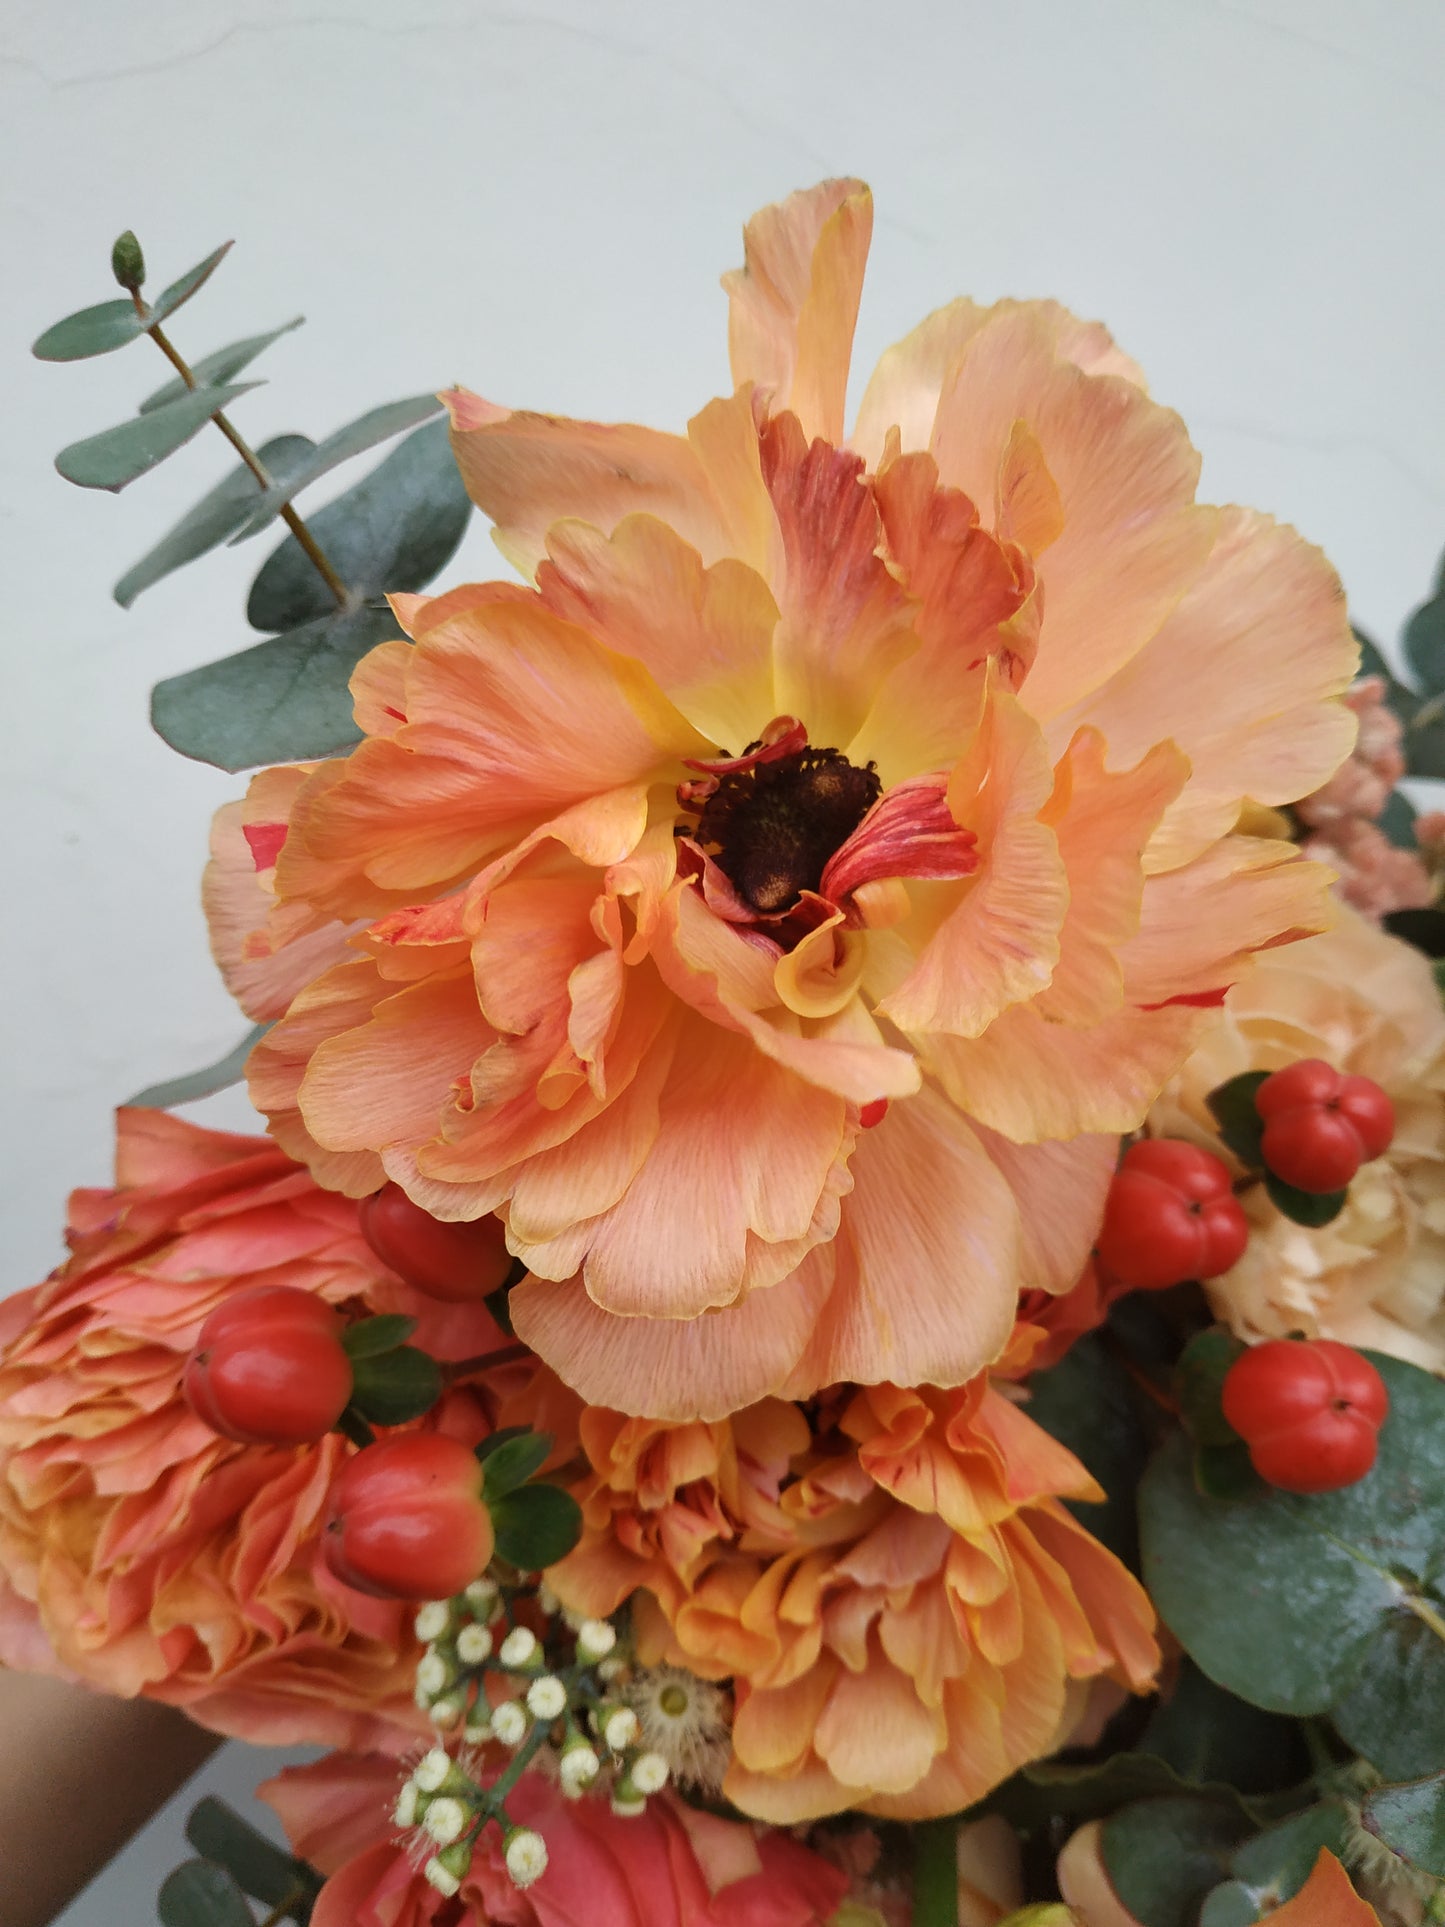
[
  {"x": 309, "y": 545},
  {"x": 935, "y": 1873}
]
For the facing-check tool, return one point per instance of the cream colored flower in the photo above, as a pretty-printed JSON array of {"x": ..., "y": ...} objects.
[{"x": 1368, "y": 1004}]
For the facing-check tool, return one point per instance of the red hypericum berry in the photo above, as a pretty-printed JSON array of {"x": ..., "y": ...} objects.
[
  {"x": 407, "y": 1519},
  {"x": 269, "y": 1369},
  {"x": 1321, "y": 1126},
  {"x": 458, "y": 1262},
  {"x": 1171, "y": 1215},
  {"x": 1309, "y": 1410}
]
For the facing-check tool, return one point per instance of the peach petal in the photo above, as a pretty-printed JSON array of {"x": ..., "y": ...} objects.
[
  {"x": 1060, "y": 1187},
  {"x": 793, "y": 307},
  {"x": 876, "y": 1734},
  {"x": 338, "y": 1001}
]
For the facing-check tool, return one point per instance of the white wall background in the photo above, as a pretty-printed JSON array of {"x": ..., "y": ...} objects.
[{"x": 536, "y": 199}]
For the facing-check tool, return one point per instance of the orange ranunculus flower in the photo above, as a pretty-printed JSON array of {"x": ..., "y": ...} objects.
[
  {"x": 138, "y": 1551},
  {"x": 808, "y": 784},
  {"x": 888, "y": 1577}
]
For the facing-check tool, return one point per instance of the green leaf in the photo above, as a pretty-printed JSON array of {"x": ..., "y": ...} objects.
[
  {"x": 393, "y": 533},
  {"x": 1087, "y": 1403},
  {"x": 1199, "y": 1381},
  {"x": 369, "y": 1337},
  {"x": 1311, "y": 1208},
  {"x": 1425, "y": 645},
  {"x": 513, "y": 1462},
  {"x": 221, "y": 365},
  {"x": 191, "y": 282},
  {"x": 536, "y": 1526},
  {"x": 1240, "y": 1124},
  {"x": 120, "y": 455},
  {"x": 215, "y": 1077},
  {"x": 1278, "y": 1862},
  {"x": 1298, "y": 1603},
  {"x": 376, "y": 425},
  {"x": 213, "y": 518},
  {"x": 395, "y": 1385},
  {"x": 1163, "y": 1856},
  {"x": 1397, "y": 820},
  {"x": 258, "y": 1865},
  {"x": 1209, "y": 1736},
  {"x": 1040, "y": 1795},
  {"x": 1424, "y": 929},
  {"x": 92, "y": 331},
  {"x": 1425, "y": 740},
  {"x": 200, "y": 1894},
  {"x": 284, "y": 701},
  {"x": 1411, "y": 1820},
  {"x": 1394, "y": 1713},
  {"x": 1230, "y": 1905},
  {"x": 494, "y": 1441}
]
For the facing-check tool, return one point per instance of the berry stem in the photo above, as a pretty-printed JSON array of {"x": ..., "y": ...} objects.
[
  {"x": 483, "y": 1362},
  {"x": 355, "y": 1427}
]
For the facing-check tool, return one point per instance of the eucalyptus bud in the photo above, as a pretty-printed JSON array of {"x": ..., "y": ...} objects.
[{"x": 127, "y": 263}]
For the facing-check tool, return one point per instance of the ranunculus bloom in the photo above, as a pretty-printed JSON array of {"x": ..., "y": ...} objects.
[
  {"x": 809, "y": 784},
  {"x": 138, "y": 1550},
  {"x": 889, "y": 1578},
  {"x": 1368, "y": 1004},
  {"x": 669, "y": 1867}
]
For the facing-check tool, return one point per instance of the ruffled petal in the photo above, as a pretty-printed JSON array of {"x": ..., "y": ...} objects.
[{"x": 793, "y": 307}]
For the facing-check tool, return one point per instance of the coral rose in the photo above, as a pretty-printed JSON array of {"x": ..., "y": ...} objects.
[
  {"x": 888, "y": 1578},
  {"x": 139, "y": 1551},
  {"x": 1375, "y": 1276},
  {"x": 668, "y": 1867},
  {"x": 774, "y": 910}
]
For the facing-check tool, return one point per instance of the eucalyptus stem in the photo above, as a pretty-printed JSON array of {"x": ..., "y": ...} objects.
[
  {"x": 935, "y": 1872},
  {"x": 285, "y": 1909},
  {"x": 310, "y": 547}
]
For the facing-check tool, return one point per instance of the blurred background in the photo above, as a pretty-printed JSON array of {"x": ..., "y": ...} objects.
[{"x": 536, "y": 200}]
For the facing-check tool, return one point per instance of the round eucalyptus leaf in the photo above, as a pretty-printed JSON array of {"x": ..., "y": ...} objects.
[
  {"x": 1163, "y": 1856},
  {"x": 1411, "y": 1820},
  {"x": 120, "y": 455},
  {"x": 92, "y": 331}
]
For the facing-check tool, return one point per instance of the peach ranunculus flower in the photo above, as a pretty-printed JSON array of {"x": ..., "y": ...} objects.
[
  {"x": 667, "y": 1867},
  {"x": 776, "y": 908},
  {"x": 889, "y": 1579},
  {"x": 1367, "y": 1003},
  {"x": 138, "y": 1551}
]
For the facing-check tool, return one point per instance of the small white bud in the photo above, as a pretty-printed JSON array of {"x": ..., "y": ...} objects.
[
  {"x": 526, "y": 1855},
  {"x": 519, "y": 1648},
  {"x": 433, "y": 1675},
  {"x": 431, "y": 1770},
  {"x": 648, "y": 1773},
  {"x": 436, "y": 1875},
  {"x": 474, "y": 1644},
  {"x": 481, "y": 1595},
  {"x": 628, "y": 1809},
  {"x": 548, "y": 1600},
  {"x": 578, "y": 1768},
  {"x": 547, "y": 1697},
  {"x": 446, "y": 1713},
  {"x": 510, "y": 1723},
  {"x": 404, "y": 1812},
  {"x": 595, "y": 1640},
  {"x": 445, "y": 1820},
  {"x": 619, "y": 1729},
  {"x": 478, "y": 1731},
  {"x": 611, "y": 1668},
  {"x": 432, "y": 1620}
]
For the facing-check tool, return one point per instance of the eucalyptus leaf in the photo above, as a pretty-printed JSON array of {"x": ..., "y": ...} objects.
[
  {"x": 215, "y": 1077},
  {"x": 536, "y": 1526},
  {"x": 191, "y": 282},
  {"x": 370, "y": 1337},
  {"x": 1410, "y": 1819},
  {"x": 1087, "y": 1403},
  {"x": 1209, "y": 1736},
  {"x": 1394, "y": 1712},
  {"x": 201, "y": 1894},
  {"x": 393, "y": 533},
  {"x": 1278, "y": 1862},
  {"x": 1229, "y": 1905},
  {"x": 1296, "y": 1603},
  {"x": 258, "y": 1865},
  {"x": 221, "y": 365},
  {"x": 396, "y": 1385},
  {"x": 1425, "y": 740},
  {"x": 1372, "y": 660},
  {"x": 92, "y": 331},
  {"x": 512, "y": 1463},
  {"x": 214, "y": 517},
  {"x": 1398, "y": 819},
  {"x": 1041, "y": 1794},
  {"x": 1424, "y": 641},
  {"x": 120, "y": 455},
  {"x": 1163, "y": 1856},
  {"x": 376, "y": 425},
  {"x": 1424, "y": 929},
  {"x": 283, "y": 701},
  {"x": 1233, "y": 1109}
]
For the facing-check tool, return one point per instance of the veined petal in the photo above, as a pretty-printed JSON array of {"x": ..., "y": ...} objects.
[
  {"x": 793, "y": 307},
  {"x": 1059, "y": 1187},
  {"x": 338, "y": 1001}
]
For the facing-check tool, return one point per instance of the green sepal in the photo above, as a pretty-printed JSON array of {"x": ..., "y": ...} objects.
[
  {"x": 370, "y": 1337},
  {"x": 1310, "y": 1208},
  {"x": 511, "y": 1463},
  {"x": 1199, "y": 1384},
  {"x": 219, "y": 1076},
  {"x": 536, "y": 1525},
  {"x": 396, "y": 1385},
  {"x": 1226, "y": 1472},
  {"x": 494, "y": 1441},
  {"x": 121, "y": 455},
  {"x": 286, "y": 700},
  {"x": 1233, "y": 1109}
]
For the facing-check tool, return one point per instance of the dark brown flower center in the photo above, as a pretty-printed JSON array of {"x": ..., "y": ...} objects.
[{"x": 772, "y": 828}]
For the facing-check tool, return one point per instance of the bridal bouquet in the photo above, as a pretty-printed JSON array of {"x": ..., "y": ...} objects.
[{"x": 836, "y": 1319}]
